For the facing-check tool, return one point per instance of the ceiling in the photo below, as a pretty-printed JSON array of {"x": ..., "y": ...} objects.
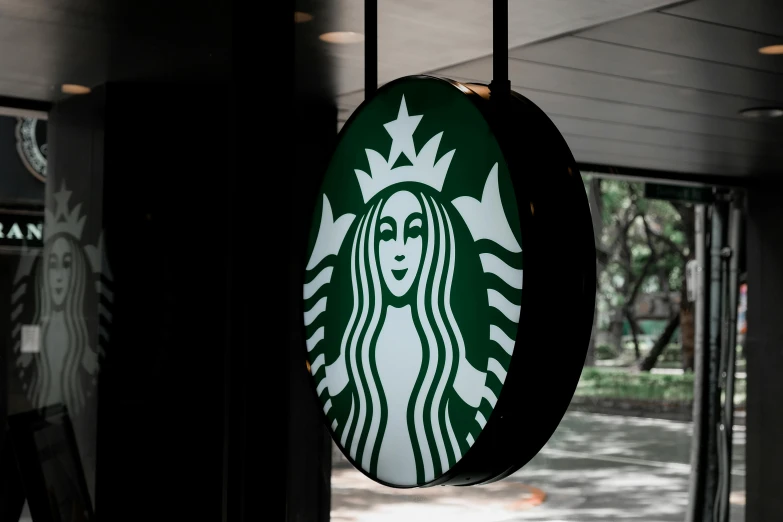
[
  {"x": 657, "y": 90},
  {"x": 46, "y": 43},
  {"x": 424, "y": 35},
  {"x": 640, "y": 84}
]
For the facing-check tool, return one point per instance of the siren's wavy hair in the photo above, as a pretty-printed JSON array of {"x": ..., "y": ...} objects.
[
  {"x": 70, "y": 378},
  {"x": 434, "y": 443}
]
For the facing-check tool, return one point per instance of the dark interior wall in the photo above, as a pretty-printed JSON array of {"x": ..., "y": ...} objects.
[
  {"x": 764, "y": 350},
  {"x": 6, "y": 271},
  {"x": 19, "y": 186}
]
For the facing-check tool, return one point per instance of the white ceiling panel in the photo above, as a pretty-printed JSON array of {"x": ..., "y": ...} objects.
[
  {"x": 667, "y": 138},
  {"x": 662, "y": 32},
  {"x": 651, "y": 66},
  {"x": 416, "y": 36},
  {"x": 660, "y": 90},
  {"x": 761, "y": 16},
  {"x": 565, "y": 80}
]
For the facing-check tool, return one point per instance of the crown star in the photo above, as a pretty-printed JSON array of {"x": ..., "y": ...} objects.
[
  {"x": 63, "y": 220},
  {"x": 423, "y": 168},
  {"x": 401, "y": 131},
  {"x": 61, "y": 199}
]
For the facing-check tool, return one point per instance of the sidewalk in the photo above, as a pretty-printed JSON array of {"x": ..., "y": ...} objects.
[{"x": 595, "y": 468}]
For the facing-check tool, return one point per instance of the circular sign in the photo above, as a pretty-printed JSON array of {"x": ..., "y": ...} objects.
[
  {"x": 422, "y": 340},
  {"x": 31, "y": 145}
]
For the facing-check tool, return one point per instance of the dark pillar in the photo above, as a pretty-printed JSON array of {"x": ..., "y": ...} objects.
[
  {"x": 153, "y": 166},
  {"x": 314, "y": 134},
  {"x": 764, "y": 457},
  {"x": 309, "y": 455}
]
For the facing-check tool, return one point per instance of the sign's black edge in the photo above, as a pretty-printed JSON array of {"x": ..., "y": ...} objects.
[{"x": 492, "y": 456}]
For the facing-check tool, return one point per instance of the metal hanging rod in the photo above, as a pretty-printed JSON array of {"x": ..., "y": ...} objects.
[
  {"x": 500, "y": 84},
  {"x": 370, "y": 47}
]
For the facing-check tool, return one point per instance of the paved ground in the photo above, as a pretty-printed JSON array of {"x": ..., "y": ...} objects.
[{"x": 595, "y": 468}]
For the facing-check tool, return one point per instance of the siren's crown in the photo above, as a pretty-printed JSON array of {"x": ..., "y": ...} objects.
[
  {"x": 423, "y": 168},
  {"x": 63, "y": 220}
]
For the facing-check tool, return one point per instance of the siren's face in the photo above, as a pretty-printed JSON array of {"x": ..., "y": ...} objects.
[
  {"x": 400, "y": 245},
  {"x": 59, "y": 270}
]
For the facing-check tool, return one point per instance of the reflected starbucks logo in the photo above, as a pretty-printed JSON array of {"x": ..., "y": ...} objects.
[
  {"x": 32, "y": 145},
  {"x": 413, "y": 283},
  {"x": 58, "y": 346}
]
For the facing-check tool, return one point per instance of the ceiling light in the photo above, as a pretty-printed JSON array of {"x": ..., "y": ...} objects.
[
  {"x": 300, "y": 17},
  {"x": 72, "y": 88},
  {"x": 771, "y": 49},
  {"x": 762, "y": 113},
  {"x": 342, "y": 37}
]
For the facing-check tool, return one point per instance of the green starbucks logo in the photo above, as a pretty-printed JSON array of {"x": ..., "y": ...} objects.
[
  {"x": 58, "y": 350},
  {"x": 31, "y": 145},
  {"x": 413, "y": 282}
]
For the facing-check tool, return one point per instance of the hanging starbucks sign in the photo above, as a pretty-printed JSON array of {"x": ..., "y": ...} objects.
[{"x": 449, "y": 284}]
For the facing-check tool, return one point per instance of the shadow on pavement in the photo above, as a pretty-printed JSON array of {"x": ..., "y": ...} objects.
[{"x": 594, "y": 468}]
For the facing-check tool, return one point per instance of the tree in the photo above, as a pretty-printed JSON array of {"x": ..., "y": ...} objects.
[
  {"x": 651, "y": 358},
  {"x": 642, "y": 248},
  {"x": 629, "y": 258},
  {"x": 614, "y": 217},
  {"x": 678, "y": 242},
  {"x": 687, "y": 330}
]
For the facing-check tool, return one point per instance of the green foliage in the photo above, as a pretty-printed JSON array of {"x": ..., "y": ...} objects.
[
  {"x": 624, "y": 384},
  {"x": 646, "y": 243},
  {"x": 602, "y": 382},
  {"x": 605, "y": 352},
  {"x": 672, "y": 353}
]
